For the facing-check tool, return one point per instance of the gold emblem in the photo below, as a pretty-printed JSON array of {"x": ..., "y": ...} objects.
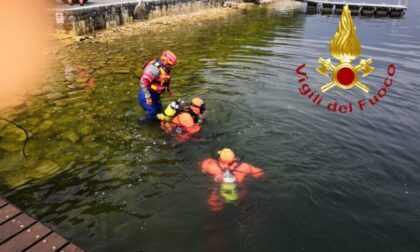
[{"x": 345, "y": 47}]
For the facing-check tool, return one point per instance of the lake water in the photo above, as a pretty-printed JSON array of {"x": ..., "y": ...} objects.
[{"x": 333, "y": 182}]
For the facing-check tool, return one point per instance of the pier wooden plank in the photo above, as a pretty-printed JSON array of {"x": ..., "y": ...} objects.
[
  {"x": 52, "y": 242},
  {"x": 20, "y": 232},
  {"x": 71, "y": 248},
  {"x": 363, "y": 9},
  {"x": 26, "y": 238},
  {"x": 8, "y": 212},
  {"x": 2, "y": 203},
  {"x": 14, "y": 226},
  {"x": 399, "y": 6}
]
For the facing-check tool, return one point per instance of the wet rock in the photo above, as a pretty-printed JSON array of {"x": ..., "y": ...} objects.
[
  {"x": 101, "y": 154},
  {"x": 127, "y": 97},
  {"x": 101, "y": 63},
  {"x": 117, "y": 166},
  {"x": 126, "y": 135},
  {"x": 10, "y": 146},
  {"x": 45, "y": 125},
  {"x": 76, "y": 93},
  {"x": 85, "y": 130},
  {"x": 121, "y": 71},
  {"x": 80, "y": 80},
  {"x": 129, "y": 113},
  {"x": 60, "y": 103},
  {"x": 73, "y": 137},
  {"x": 89, "y": 141},
  {"x": 102, "y": 72},
  {"x": 45, "y": 168},
  {"x": 17, "y": 180},
  {"x": 80, "y": 38},
  {"x": 55, "y": 96},
  {"x": 13, "y": 133},
  {"x": 102, "y": 112},
  {"x": 33, "y": 121},
  {"x": 264, "y": 1},
  {"x": 230, "y": 4},
  {"x": 46, "y": 116}
]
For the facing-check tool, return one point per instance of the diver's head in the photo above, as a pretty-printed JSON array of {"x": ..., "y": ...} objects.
[
  {"x": 198, "y": 106},
  {"x": 226, "y": 156}
]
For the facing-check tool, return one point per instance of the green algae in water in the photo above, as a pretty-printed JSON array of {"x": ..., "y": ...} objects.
[{"x": 77, "y": 125}]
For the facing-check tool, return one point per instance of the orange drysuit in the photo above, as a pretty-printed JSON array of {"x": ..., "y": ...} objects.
[
  {"x": 226, "y": 192},
  {"x": 183, "y": 125}
]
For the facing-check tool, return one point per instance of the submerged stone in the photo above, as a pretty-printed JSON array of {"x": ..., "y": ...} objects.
[
  {"x": 121, "y": 71},
  {"x": 45, "y": 168},
  {"x": 45, "y": 125},
  {"x": 85, "y": 130},
  {"x": 102, "y": 112},
  {"x": 10, "y": 146},
  {"x": 46, "y": 116},
  {"x": 13, "y": 133},
  {"x": 73, "y": 137},
  {"x": 17, "y": 180},
  {"x": 55, "y": 96},
  {"x": 126, "y": 135},
  {"x": 80, "y": 80}
]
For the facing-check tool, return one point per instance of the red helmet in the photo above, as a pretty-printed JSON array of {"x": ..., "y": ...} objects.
[{"x": 168, "y": 57}]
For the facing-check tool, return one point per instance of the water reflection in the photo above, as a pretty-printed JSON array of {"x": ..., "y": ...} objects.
[{"x": 333, "y": 183}]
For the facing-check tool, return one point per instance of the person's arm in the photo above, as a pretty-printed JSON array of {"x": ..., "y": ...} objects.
[
  {"x": 210, "y": 166},
  {"x": 246, "y": 169},
  {"x": 145, "y": 81},
  {"x": 149, "y": 75},
  {"x": 256, "y": 172},
  {"x": 168, "y": 87}
]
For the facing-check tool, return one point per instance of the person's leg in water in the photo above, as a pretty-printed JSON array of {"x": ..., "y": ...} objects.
[
  {"x": 156, "y": 104},
  {"x": 81, "y": 2},
  {"x": 151, "y": 110}
]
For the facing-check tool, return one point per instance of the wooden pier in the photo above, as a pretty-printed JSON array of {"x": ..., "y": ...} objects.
[
  {"x": 19, "y": 232},
  {"x": 361, "y": 9}
]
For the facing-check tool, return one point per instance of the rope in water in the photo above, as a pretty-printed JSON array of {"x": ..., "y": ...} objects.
[{"x": 23, "y": 129}]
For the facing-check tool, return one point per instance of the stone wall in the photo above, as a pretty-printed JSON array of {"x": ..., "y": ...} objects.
[{"x": 81, "y": 21}]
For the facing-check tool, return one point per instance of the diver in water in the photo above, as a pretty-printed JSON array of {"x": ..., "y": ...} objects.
[
  {"x": 166, "y": 117},
  {"x": 230, "y": 174},
  {"x": 185, "y": 121}
]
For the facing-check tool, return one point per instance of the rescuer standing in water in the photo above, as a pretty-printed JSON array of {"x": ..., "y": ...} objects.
[{"x": 154, "y": 81}]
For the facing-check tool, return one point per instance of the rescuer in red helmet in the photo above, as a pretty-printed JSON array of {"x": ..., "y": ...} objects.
[{"x": 154, "y": 81}]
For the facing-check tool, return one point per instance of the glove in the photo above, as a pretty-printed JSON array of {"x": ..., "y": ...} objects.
[
  {"x": 160, "y": 116},
  {"x": 149, "y": 101}
]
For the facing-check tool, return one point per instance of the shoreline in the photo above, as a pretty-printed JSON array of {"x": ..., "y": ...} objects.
[{"x": 154, "y": 24}]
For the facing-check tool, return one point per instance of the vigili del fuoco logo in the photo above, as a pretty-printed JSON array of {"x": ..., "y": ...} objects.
[{"x": 345, "y": 47}]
